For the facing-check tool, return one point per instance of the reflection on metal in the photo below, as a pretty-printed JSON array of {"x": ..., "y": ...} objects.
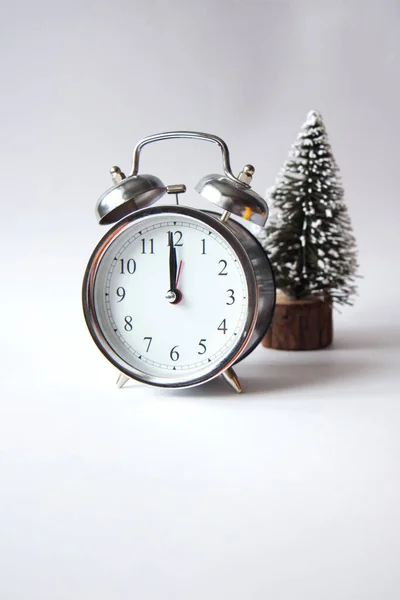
[
  {"x": 233, "y": 196},
  {"x": 117, "y": 175},
  {"x": 230, "y": 377},
  {"x": 180, "y": 188},
  {"x": 246, "y": 174},
  {"x": 135, "y": 192},
  {"x": 225, "y": 216},
  {"x": 122, "y": 379},
  {"x": 127, "y": 196}
]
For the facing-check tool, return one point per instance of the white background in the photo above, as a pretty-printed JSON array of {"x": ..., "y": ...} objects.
[{"x": 290, "y": 491}]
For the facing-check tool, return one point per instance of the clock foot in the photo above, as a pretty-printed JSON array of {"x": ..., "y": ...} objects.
[
  {"x": 122, "y": 379},
  {"x": 230, "y": 377}
]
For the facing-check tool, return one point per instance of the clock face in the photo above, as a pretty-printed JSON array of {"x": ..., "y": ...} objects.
[{"x": 169, "y": 299}]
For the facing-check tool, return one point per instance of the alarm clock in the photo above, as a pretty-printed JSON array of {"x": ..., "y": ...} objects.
[{"x": 174, "y": 296}]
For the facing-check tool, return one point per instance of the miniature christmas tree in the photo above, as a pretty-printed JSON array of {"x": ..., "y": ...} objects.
[
  {"x": 310, "y": 242},
  {"x": 310, "y": 239}
]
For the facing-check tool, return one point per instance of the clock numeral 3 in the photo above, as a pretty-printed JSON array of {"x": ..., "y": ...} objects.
[
  {"x": 223, "y": 271},
  {"x": 231, "y": 297},
  {"x": 222, "y": 326},
  {"x": 128, "y": 267},
  {"x": 128, "y": 323}
]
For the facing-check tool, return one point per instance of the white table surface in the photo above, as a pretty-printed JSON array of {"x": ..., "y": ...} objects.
[{"x": 204, "y": 493}]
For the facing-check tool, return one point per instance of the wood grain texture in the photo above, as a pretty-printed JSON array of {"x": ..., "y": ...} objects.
[{"x": 304, "y": 324}]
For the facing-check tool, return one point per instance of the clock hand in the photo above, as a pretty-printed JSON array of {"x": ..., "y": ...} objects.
[
  {"x": 173, "y": 295},
  {"x": 179, "y": 273},
  {"x": 172, "y": 263}
]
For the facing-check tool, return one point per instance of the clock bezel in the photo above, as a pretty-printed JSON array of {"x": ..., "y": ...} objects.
[{"x": 92, "y": 321}]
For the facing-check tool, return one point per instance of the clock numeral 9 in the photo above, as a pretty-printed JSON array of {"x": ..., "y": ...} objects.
[
  {"x": 174, "y": 354},
  {"x": 120, "y": 291},
  {"x": 203, "y": 346},
  {"x": 222, "y": 326},
  {"x": 223, "y": 271},
  {"x": 127, "y": 267},
  {"x": 128, "y": 323}
]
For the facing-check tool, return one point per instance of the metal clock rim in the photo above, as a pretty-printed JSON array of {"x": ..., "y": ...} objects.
[{"x": 93, "y": 324}]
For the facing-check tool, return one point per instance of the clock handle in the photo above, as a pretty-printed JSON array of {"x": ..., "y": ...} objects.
[{"x": 193, "y": 135}]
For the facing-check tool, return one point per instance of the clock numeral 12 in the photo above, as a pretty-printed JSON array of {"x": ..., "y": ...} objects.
[{"x": 171, "y": 238}]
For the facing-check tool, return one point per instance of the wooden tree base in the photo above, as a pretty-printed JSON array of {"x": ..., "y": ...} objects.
[{"x": 304, "y": 324}]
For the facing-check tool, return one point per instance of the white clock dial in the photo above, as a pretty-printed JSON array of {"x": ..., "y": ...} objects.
[{"x": 171, "y": 298}]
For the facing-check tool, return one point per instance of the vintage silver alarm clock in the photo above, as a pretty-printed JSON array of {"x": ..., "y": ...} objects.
[{"x": 174, "y": 296}]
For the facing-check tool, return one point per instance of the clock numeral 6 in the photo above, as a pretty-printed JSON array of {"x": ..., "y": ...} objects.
[
  {"x": 222, "y": 326},
  {"x": 174, "y": 354},
  {"x": 203, "y": 346},
  {"x": 128, "y": 323},
  {"x": 127, "y": 267}
]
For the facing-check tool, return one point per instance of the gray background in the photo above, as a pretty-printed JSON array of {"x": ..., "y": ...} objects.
[{"x": 289, "y": 492}]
